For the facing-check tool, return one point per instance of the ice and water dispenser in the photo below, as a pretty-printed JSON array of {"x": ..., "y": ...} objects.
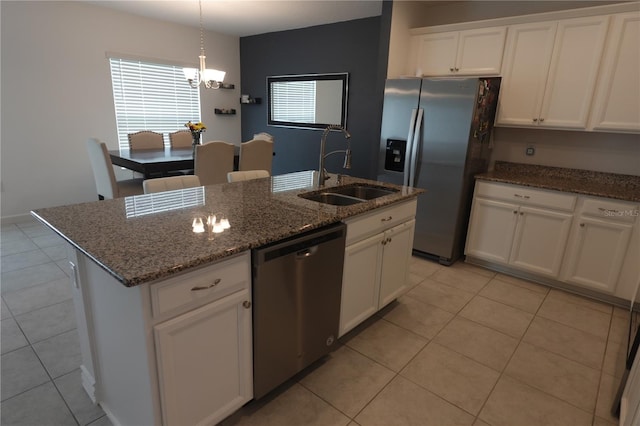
[{"x": 395, "y": 155}]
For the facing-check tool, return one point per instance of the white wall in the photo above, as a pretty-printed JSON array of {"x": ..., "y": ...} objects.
[
  {"x": 602, "y": 152},
  {"x": 56, "y": 92}
]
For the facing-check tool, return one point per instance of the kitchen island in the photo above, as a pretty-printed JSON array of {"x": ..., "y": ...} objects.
[{"x": 163, "y": 309}]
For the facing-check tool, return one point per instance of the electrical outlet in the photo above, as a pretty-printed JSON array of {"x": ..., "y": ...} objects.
[{"x": 530, "y": 150}]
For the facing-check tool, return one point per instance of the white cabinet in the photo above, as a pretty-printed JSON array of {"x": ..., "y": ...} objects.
[
  {"x": 204, "y": 361},
  {"x": 470, "y": 52},
  {"x": 550, "y": 71},
  {"x": 529, "y": 234},
  {"x": 616, "y": 105},
  {"x": 376, "y": 262},
  {"x": 598, "y": 244},
  {"x": 174, "y": 352},
  {"x": 204, "y": 355}
]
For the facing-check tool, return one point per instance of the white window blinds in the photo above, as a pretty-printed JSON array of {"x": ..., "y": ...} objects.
[
  {"x": 151, "y": 96},
  {"x": 293, "y": 101}
]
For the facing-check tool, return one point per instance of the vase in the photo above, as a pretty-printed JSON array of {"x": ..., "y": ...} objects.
[{"x": 196, "y": 141}]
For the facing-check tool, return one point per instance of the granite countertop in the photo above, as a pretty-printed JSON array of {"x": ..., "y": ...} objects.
[
  {"x": 587, "y": 182},
  {"x": 148, "y": 237}
]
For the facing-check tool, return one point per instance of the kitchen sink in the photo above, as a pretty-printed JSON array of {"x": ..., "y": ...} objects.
[
  {"x": 332, "y": 198},
  {"x": 348, "y": 195},
  {"x": 364, "y": 192}
]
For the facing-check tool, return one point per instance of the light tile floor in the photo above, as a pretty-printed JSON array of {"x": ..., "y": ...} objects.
[{"x": 465, "y": 346}]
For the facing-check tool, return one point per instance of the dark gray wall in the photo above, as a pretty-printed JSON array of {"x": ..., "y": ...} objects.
[{"x": 352, "y": 46}]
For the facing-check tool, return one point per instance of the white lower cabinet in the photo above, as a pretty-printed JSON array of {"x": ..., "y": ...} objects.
[
  {"x": 585, "y": 241},
  {"x": 375, "y": 266},
  {"x": 174, "y": 352},
  {"x": 204, "y": 361},
  {"x": 598, "y": 247},
  {"x": 528, "y": 237}
]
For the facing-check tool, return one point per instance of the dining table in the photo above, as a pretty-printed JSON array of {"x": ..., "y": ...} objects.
[{"x": 155, "y": 162}]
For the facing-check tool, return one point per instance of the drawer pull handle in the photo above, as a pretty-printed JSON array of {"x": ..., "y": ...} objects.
[
  {"x": 526, "y": 197},
  {"x": 386, "y": 219},
  {"x": 206, "y": 287},
  {"x": 246, "y": 304}
]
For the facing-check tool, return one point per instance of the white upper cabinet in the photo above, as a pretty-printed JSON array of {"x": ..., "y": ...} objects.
[
  {"x": 470, "y": 52},
  {"x": 550, "y": 72},
  {"x": 616, "y": 105}
]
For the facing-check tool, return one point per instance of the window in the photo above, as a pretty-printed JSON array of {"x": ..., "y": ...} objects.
[{"x": 150, "y": 96}]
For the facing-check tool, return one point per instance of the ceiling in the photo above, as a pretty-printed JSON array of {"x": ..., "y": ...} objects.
[{"x": 249, "y": 17}]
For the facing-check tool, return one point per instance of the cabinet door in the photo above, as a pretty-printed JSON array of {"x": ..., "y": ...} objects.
[
  {"x": 360, "y": 280},
  {"x": 480, "y": 51},
  {"x": 491, "y": 229},
  {"x": 540, "y": 240},
  {"x": 526, "y": 65},
  {"x": 573, "y": 72},
  {"x": 397, "y": 242},
  {"x": 616, "y": 105},
  {"x": 205, "y": 361},
  {"x": 437, "y": 53},
  {"x": 596, "y": 253}
]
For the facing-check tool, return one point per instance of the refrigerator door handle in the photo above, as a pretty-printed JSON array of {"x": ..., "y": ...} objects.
[
  {"x": 407, "y": 160},
  {"x": 415, "y": 143}
]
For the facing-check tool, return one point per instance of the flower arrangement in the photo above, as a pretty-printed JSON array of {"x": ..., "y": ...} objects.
[{"x": 196, "y": 129}]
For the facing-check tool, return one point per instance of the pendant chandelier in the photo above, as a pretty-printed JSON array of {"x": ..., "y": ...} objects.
[{"x": 211, "y": 78}]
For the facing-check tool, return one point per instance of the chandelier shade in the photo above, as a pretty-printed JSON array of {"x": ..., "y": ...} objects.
[{"x": 212, "y": 79}]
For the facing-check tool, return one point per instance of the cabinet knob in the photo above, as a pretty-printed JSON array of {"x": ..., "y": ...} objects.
[
  {"x": 451, "y": 69},
  {"x": 515, "y": 212},
  {"x": 386, "y": 219},
  {"x": 246, "y": 304},
  {"x": 582, "y": 225},
  {"x": 541, "y": 120},
  {"x": 535, "y": 120},
  {"x": 457, "y": 69},
  {"x": 521, "y": 214}
]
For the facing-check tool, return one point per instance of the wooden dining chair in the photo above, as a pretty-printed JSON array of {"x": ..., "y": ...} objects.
[
  {"x": 106, "y": 184},
  {"x": 256, "y": 154},
  {"x": 172, "y": 183},
  {"x": 145, "y": 139},
  {"x": 246, "y": 175},
  {"x": 180, "y": 139},
  {"x": 213, "y": 161}
]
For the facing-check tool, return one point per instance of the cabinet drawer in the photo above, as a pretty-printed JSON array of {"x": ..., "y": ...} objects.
[
  {"x": 526, "y": 195},
  {"x": 610, "y": 210},
  {"x": 378, "y": 220},
  {"x": 190, "y": 290}
]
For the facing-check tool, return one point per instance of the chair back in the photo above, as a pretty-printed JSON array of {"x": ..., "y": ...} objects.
[
  {"x": 171, "y": 183},
  {"x": 180, "y": 139},
  {"x": 145, "y": 139},
  {"x": 213, "y": 161},
  {"x": 246, "y": 175},
  {"x": 263, "y": 135},
  {"x": 256, "y": 154},
  {"x": 102, "y": 169}
]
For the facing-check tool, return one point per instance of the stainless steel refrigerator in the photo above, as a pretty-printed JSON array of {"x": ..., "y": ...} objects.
[{"x": 435, "y": 135}]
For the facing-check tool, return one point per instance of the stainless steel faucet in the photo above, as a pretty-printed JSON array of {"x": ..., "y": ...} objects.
[{"x": 322, "y": 172}]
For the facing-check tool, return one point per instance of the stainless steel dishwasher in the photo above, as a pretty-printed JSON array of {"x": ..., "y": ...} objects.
[{"x": 297, "y": 285}]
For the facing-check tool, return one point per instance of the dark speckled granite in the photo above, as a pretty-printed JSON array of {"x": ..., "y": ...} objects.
[
  {"x": 137, "y": 248},
  {"x": 599, "y": 184}
]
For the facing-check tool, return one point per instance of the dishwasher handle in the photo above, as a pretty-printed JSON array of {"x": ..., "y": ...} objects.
[
  {"x": 302, "y": 247},
  {"x": 303, "y": 254}
]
